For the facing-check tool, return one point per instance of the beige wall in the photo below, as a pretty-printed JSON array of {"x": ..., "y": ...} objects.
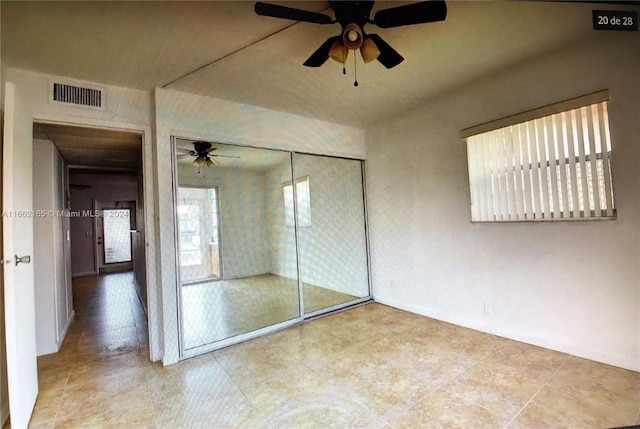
[{"x": 569, "y": 286}]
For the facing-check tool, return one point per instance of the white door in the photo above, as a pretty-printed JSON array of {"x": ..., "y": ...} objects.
[{"x": 17, "y": 222}]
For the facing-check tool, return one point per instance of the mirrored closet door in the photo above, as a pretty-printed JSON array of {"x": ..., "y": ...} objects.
[
  {"x": 332, "y": 233},
  {"x": 245, "y": 230}
]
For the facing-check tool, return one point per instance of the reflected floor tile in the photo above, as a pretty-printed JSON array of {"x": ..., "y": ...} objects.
[
  {"x": 217, "y": 310},
  {"x": 441, "y": 409}
]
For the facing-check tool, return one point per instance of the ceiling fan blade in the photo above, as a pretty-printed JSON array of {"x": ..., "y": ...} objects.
[
  {"x": 389, "y": 57},
  {"x": 224, "y": 156},
  {"x": 415, "y": 13},
  {"x": 183, "y": 155},
  {"x": 322, "y": 53},
  {"x": 210, "y": 150},
  {"x": 276, "y": 11}
]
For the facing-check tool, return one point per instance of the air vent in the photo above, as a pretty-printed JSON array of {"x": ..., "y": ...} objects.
[{"x": 80, "y": 96}]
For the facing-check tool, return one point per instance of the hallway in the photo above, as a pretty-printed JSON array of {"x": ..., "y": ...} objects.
[{"x": 104, "y": 353}]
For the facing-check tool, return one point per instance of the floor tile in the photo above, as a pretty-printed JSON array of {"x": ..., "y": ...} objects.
[
  {"x": 369, "y": 367},
  {"x": 609, "y": 385},
  {"x": 569, "y": 409},
  {"x": 503, "y": 392},
  {"x": 441, "y": 409},
  {"x": 534, "y": 362}
]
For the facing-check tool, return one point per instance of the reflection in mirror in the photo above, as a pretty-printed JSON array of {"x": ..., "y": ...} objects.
[
  {"x": 332, "y": 235},
  {"x": 237, "y": 266}
]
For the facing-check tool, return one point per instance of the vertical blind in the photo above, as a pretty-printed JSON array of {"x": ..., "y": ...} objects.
[{"x": 554, "y": 167}]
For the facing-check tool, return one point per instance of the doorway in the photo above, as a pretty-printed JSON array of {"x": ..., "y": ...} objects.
[{"x": 98, "y": 187}]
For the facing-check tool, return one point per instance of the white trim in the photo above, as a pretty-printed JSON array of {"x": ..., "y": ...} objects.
[
  {"x": 66, "y": 329},
  {"x": 84, "y": 274},
  {"x": 196, "y": 351},
  {"x": 551, "y": 109}
]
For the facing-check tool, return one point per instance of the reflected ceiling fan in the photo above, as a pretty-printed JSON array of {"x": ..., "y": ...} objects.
[
  {"x": 352, "y": 17},
  {"x": 202, "y": 154}
]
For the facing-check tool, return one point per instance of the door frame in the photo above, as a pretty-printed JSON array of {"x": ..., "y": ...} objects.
[
  {"x": 147, "y": 199},
  {"x": 19, "y": 300}
]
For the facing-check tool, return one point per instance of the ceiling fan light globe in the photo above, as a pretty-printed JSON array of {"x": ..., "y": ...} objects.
[
  {"x": 209, "y": 162},
  {"x": 338, "y": 52},
  {"x": 369, "y": 51},
  {"x": 352, "y": 36},
  {"x": 199, "y": 161}
]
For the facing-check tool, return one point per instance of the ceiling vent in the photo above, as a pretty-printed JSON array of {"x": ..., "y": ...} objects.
[{"x": 69, "y": 93}]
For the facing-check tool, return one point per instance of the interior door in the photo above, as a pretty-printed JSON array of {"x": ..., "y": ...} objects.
[{"x": 17, "y": 221}]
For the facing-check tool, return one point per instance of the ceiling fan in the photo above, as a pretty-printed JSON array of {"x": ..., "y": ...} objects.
[
  {"x": 352, "y": 17},
  {"x": 202, "y": 153}
]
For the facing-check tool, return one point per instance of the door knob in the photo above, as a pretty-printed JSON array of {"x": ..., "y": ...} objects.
[{"x": 24, "y": 259}]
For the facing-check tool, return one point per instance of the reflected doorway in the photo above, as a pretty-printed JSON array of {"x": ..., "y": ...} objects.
[{"x": 198, "y": 234}]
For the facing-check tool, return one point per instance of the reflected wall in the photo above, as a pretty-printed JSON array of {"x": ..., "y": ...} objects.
[{"x": 332, "y": 244}]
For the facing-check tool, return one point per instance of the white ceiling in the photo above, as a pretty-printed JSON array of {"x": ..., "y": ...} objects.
[
  {"x": 153, "y": 44},
  {"x": 92, "y": 147}
]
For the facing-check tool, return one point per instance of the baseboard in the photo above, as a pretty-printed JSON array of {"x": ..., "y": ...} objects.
[
  {"x": 84, "y": 274},
  {"x": 626, "y": 362},
  {"x": 116, "y": 268},
  {"x": 143, "y": 303},
  {"x": 66, "y": 329}
]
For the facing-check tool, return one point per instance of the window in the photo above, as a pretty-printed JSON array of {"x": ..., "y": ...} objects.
[
  {"x": 117, "y": 238},
  {"x": 304, "y": 202},
  {"x": 553, "y": 163}
]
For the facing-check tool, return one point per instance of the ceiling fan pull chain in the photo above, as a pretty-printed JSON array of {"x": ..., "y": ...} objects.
[
  {"x": 355, "y": 71},
  {"x": 344, "y": 64}
]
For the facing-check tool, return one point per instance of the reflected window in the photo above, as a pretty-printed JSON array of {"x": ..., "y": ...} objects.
[
  {"x": 189, "y": 234},
  {"x": 304, "y": 203}
]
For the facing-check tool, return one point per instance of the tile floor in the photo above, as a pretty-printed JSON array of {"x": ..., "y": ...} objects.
[{"x": 370, "y": 367}]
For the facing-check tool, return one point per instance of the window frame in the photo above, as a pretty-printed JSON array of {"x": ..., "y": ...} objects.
[{"x": 510, "y": 160}]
